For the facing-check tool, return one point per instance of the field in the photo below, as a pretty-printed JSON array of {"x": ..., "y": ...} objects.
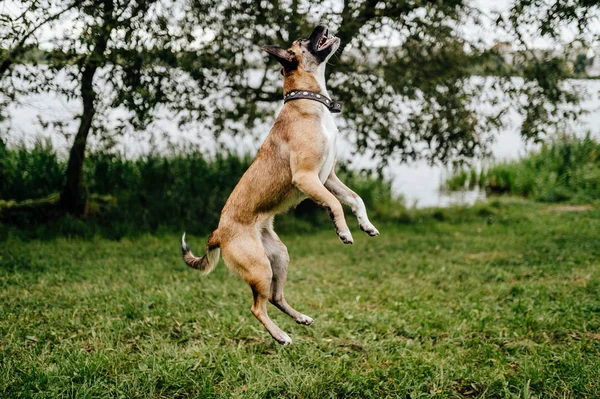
[{"x": 499, "y": 301}]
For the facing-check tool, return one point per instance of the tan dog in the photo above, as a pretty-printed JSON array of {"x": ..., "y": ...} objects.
[{"x": 296, "y": 161}]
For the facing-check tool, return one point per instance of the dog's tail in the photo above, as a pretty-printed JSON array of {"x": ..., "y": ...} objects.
[{"x": 206, "y": 263}]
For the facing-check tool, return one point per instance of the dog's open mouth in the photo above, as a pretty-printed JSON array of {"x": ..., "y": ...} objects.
[
  {"x": 325, "y": 41},
  {"x": 321, "y": 42}
]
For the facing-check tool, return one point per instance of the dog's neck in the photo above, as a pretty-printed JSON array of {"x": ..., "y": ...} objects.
[
  {"x": 320, "y": 77},
  {"x": 301, "y": 80}
]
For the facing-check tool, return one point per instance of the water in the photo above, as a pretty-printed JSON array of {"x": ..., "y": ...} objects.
[{"x": 417, "y": 182}]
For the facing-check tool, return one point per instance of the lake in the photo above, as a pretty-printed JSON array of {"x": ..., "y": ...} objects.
[{"x": 417, "y": 182}]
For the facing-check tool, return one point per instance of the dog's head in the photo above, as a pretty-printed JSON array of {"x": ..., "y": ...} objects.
[{"x": 306, "y": 55}]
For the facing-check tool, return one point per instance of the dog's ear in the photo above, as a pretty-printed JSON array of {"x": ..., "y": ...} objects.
[{"x": 286, "y": 58}]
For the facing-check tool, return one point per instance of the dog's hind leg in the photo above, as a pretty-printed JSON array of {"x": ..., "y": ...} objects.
[
  {"x": 278, "y": 256},
  {"x": 247, "y": 257}
]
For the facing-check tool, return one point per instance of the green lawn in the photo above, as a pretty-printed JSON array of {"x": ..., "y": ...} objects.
[{"x": 498, "y": 302}]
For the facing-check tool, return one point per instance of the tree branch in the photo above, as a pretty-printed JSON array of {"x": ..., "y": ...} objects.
[{"x": 19, "y": 49}]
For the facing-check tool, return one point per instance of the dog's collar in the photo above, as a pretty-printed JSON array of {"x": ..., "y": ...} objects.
[{"x": 332, "y": 106}]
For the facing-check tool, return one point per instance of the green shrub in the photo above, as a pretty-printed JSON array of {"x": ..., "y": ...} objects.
[
  {"x": 29, "y": 173},
  {"x": 174, "y": 192},
  {"x": 565, "y": 169}
]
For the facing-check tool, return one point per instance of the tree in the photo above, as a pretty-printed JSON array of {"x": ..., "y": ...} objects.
[
  {"x": 19, "y": 30},
  {"x": 71, "y": 197},
  {"x": 134, "y": 47},
  {"x": 415, "y": 98}
]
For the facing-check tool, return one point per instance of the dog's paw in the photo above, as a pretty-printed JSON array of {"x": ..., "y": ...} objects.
[
  {"x": 282, "y": 338},
  {"x": 346, "y": 237},
  {"x": 304, "y": 319},
  {"x": 369, "y": 229}
]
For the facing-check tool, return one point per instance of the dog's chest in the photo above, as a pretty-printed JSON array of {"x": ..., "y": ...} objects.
[{"x": 329, "y": 130}]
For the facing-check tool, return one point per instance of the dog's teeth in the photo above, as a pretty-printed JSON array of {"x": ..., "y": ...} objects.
[{"x": 322, "y": 41}]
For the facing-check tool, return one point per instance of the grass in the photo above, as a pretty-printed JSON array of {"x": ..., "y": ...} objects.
[
  {"x": 566, "y": 169},
  {"x": 504, "y": 303}
]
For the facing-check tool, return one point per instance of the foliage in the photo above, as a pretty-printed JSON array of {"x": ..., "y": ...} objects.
[
  {"x": 129, "y": 43},
  {"x": 29, "y": 173},
  {"x": 412, "y": 100},
  {"x": 494, "y": 307},
  {"x": 566, "y": 169},
  {"x": 580, "y": 64},
  {"x": 415, "y": 99},
  {"x": 139, "y": 60},
  {"x": 176, "y": 192}
]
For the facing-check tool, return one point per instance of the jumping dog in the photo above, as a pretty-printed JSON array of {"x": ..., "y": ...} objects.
[{"x": 295, "y": 162}]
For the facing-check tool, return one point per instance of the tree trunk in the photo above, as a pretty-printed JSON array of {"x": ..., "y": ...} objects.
[{"x": 73, "y": 197}]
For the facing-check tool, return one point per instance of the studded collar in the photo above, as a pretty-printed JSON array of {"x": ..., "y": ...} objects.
[{"x": 332, "y": 106}]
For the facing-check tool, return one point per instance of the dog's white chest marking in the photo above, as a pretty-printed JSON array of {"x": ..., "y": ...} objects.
[{"x": 330, "y": 131}]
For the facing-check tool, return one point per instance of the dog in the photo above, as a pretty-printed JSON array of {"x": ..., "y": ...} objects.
[{"x": 295, "y": 162}]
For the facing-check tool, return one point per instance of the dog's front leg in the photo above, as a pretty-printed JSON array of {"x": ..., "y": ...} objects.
[
  {"x": 309, "y": 183},
  {"x": 353, "y": 200}
]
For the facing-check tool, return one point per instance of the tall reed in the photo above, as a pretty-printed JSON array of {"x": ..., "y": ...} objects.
[{"x": 564, "y": 169}]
